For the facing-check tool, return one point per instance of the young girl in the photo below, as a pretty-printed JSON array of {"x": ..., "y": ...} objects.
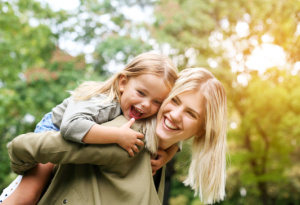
[{"x": 136, "y": 92}]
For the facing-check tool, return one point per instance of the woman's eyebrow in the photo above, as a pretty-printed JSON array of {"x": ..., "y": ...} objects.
[
  {"x": 178, "y": 99},
  {"x": 194, "y": 111},
  {"x": 188, "y": 108}
]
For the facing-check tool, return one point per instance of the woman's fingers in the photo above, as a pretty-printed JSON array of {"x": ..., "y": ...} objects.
[{"x": 154, "y": 162}]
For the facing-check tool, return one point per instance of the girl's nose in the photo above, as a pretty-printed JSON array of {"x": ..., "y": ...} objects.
[{"x": 146, "y": 104}]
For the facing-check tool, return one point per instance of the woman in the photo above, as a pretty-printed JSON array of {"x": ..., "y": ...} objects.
[{"x": 195, "y": 107}]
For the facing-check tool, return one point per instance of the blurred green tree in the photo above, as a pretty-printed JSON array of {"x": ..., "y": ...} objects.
[
  {"x": 22, "y": 46},
  {"x": 221, "y": 36},
  {"x": 36, "y": 75},
  {"x": 106, "y": 26},
  {"x": 264, "y": 108}
]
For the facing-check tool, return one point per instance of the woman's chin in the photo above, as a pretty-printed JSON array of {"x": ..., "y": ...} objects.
[{"x": 163, "y": 137}]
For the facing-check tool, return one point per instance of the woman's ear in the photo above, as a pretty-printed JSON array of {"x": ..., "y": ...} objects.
[
  {"x": 200, "y": 133},
  {"x": 123, "y": 80}
]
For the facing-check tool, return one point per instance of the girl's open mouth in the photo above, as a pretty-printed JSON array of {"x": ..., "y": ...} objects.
[{"x": 135, "y": 113}]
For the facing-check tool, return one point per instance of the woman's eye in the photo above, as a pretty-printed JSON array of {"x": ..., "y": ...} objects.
[
  {"x": 192, "y": 115},
  {"x": 140, "y": 93},
  {"x": 174, "y": 100}
]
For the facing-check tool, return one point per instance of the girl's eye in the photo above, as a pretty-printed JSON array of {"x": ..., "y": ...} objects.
[
  {"x": 140, "y": 93},
  {"x": 157, "y": 102}
]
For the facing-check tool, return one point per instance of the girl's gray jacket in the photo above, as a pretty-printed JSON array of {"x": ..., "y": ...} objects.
[{"x": 88, "y": 174}]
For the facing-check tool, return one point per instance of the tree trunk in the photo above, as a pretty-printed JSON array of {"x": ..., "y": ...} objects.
[{"x": 263, "y": 193}]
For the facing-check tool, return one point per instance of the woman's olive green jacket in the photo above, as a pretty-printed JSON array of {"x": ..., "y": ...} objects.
[{"x": 88, "y": 174}]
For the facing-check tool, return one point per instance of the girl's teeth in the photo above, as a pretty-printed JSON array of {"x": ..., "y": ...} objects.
[
  {"x": 138, "y": 110},
  {"x": 169, "y": 125}
]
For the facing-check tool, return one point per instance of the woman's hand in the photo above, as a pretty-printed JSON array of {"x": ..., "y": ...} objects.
[
  {"x": 160, "y": 160},
  {"x": 163, "y": 157},
  {"x": 129, "y": 139}
]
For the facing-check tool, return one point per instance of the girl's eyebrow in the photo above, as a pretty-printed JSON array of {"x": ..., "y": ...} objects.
[
  {"x": 146, "y": 91},
  {"x": 142, "y": 88}
]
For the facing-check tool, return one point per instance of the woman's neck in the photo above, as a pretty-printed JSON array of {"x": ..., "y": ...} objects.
[{"x": 164, "y": 145}]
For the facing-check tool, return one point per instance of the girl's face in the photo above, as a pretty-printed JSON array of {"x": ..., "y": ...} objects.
[
  {"x": 180, "y": 118},
  {"x": 142, "y": 96}
]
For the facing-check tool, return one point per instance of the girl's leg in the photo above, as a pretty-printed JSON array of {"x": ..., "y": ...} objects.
[
  {"x": 10, "y": 189},
  {"x": 35, "y": 181},
  {"x": 32, "y": 186}
]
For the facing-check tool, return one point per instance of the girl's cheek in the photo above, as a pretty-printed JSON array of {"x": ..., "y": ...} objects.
[{"x": 156, "y": 109}]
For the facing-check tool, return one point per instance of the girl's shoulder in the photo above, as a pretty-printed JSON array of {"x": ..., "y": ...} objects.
[{"x": 103, "y": 100}]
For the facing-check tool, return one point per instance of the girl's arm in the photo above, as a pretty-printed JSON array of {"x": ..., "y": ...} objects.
[
  {"x": 123, "y": 136},
  {"x": 82, "y": 122},
  {"x": 80, "y": 116}
]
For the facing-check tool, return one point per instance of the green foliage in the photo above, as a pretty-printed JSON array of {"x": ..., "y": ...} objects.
[
  {"x": 32, "y": 81},
  {"x": 264, "y": 144},
  {"x": 35, "y": 75},
  {"x": 124, "y": 47},
  {"x": 114, "y": 36},
  {"x": 33, "y": 97},
  {"x": 265, "y": 110}
]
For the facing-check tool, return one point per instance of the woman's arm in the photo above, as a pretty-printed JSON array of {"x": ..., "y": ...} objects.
[{"x": 25, "y": 151}]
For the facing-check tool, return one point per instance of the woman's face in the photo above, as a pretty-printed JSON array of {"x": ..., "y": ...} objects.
[{"x": 180, "y": 118}]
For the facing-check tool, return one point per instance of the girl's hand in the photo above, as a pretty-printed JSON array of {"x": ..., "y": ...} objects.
[{"x": 129, "y": 139}]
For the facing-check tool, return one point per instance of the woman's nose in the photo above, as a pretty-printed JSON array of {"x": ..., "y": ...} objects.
[{"x": 176, "y": 114}]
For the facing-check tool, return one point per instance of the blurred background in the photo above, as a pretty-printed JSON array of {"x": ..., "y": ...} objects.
[{"x": 251, "y": 46}]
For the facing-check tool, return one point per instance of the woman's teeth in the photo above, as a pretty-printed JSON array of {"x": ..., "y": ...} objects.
[{"x": 169, "y": 124}]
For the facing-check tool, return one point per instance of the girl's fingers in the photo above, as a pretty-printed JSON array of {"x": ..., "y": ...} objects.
[
  {"x": 135, "y": 149},
  {"x": 130, "y": 152},
  {"x": 140, "y": 135},
  {"x": 130, "y": 122},
  {"x": 139, "y": 142}
]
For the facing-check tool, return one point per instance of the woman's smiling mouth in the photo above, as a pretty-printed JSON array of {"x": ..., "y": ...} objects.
[{"x": 169, "y": 124}]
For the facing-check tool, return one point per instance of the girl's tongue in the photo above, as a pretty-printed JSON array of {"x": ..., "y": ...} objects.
[{"x": 135, "y": 113}]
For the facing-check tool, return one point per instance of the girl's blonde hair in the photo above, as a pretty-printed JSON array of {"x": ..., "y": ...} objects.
[
  {"x": 207, "y": 171},
  {"x": 146, "y": 63}
]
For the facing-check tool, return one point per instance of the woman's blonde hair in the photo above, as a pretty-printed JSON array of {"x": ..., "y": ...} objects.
[
  {"x": 146, "y": 63},
  {"x": 207, "y": 171}
]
